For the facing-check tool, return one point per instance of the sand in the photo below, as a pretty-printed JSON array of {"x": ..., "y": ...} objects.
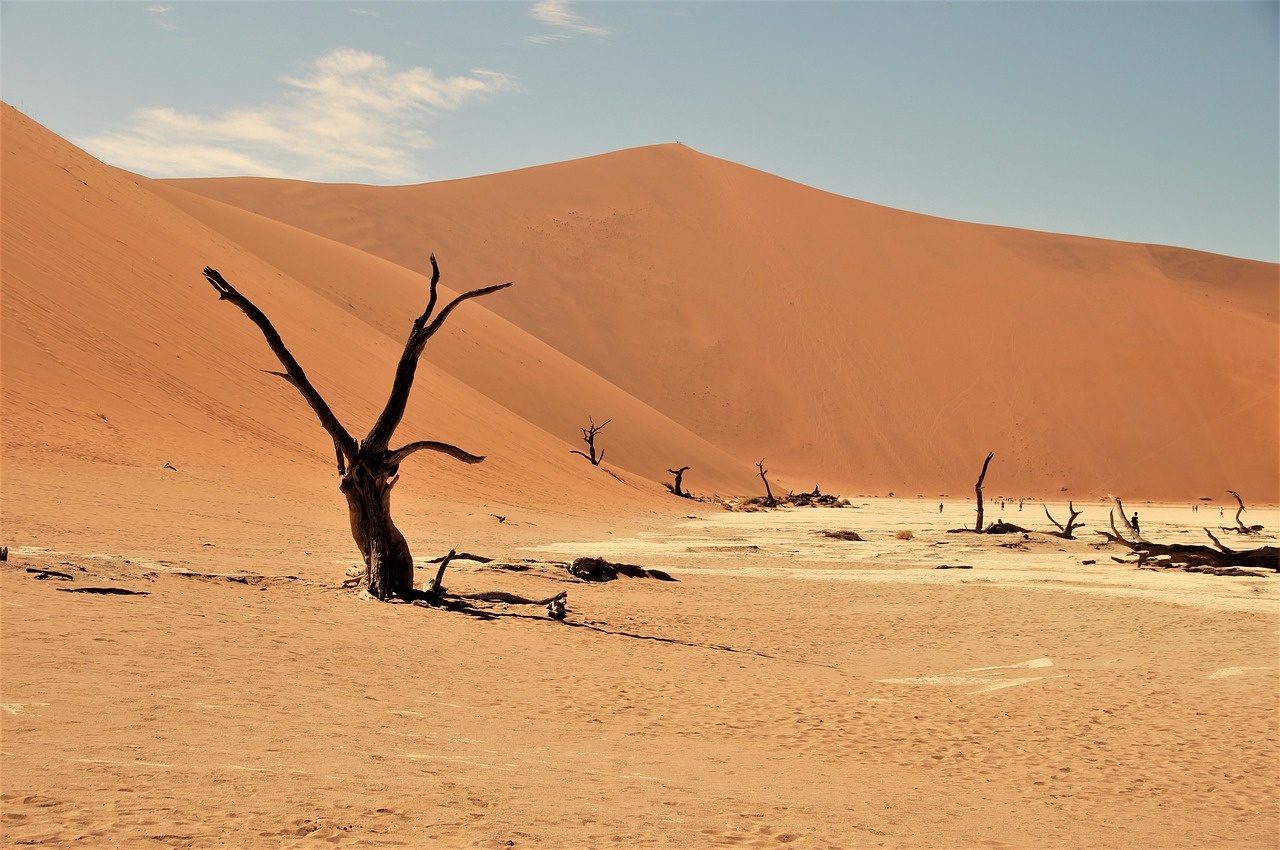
[{"x": 787, "y": 689}]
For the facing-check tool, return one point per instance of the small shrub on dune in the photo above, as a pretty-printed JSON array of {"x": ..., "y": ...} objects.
[{"x": 905, "y": 534}]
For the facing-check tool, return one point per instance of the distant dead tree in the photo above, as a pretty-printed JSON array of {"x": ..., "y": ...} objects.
[
  {"x": 679, "y": 474},
  {"x": 768, "y": 492},
  {"x": 1240, "y": 526},
  {"x": 1066, "y": 532},
  {"x": 977, "y": 526},
  {"x": 368, "y": 469},
  {"x": 589, "y": 437}
]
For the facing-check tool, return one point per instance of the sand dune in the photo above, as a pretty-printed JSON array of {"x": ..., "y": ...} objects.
[{"x": 855, "y": 346}]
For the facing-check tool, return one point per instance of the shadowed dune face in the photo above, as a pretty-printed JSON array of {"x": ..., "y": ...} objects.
[
  {"x": 861, "y": 348},
  {"x": 137, "y": 412}
]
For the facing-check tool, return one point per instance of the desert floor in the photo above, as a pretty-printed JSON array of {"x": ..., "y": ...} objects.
[{"x": 787, "y": 689}]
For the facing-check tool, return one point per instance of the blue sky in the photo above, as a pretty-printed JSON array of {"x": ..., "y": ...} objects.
[{"x": 1142, "y": 121}]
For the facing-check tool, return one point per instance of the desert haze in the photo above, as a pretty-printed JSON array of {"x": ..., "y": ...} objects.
[{"x": 184, "y": 662}]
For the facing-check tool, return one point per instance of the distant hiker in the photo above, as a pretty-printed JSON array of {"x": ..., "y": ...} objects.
[
  {"x": 939, "y": 507},
  {"x": 1135, "y": 524}
]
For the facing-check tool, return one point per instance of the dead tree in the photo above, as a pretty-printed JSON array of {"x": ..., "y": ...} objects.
[
  {"x": 1067, "y": 532},
  {"x": 368, "y": 469},
  {"x": 1197, "y": 558},
  {"x": 679, "y": 474},
  {"x": 977, "y": 526},
  {"x": 589, "y": 437},
  {"x": 1240, "y": 526},
  {"x": 1124, "y": 519},
  {"x": 768, "y": 492}
]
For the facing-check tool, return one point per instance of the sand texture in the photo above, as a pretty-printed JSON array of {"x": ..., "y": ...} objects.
[
  {"x": 181, "y": 664},
  {"x": 787, "y": 689}
]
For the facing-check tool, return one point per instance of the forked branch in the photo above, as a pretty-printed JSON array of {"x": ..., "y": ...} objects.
[
  {"x": 343, "y": 442},
  {"x": 424, "y": 327},
  {"x": 1066, "y": 532}
]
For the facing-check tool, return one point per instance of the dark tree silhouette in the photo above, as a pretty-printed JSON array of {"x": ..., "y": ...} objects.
[
  {"x": 1066, "y": 532},
  {"x": 368, "y": 469},
  {"x": 768, "y": 491},
  {"x": 978, "y": 488},
  {"x": 679, "y": 474},
  {"x": 589, "y": 437},
  {"x": 1240, "y": 526}
]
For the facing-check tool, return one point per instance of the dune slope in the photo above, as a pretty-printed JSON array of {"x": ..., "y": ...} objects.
[
  {"x": 855, "y": 346},
  {"x": 138, "y": 417}
]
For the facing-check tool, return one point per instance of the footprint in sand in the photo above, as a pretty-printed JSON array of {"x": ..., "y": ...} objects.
[{"x": 990, "y": 678}]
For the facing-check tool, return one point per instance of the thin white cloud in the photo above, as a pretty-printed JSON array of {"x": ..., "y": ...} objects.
[
  {"x": 564, "y": 23},
  {"x": 357, "y": 10},
  {"x": 160, "y": 14},
  {"x": 351, "y": 116}
]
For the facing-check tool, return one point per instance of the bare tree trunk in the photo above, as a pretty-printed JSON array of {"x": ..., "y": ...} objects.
[
  {"x": 679, "y": 474},
  {"x": 368, "y": 469},
  {"x": 768, "y": 492},
  {"x": 978, "y": 488}
]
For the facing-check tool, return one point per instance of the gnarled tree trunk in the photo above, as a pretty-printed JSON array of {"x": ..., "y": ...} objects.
[{"x": 369, "y": 469}]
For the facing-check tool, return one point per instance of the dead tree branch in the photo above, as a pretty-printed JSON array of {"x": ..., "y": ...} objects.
[
  {"x": 1197, "y": 558},
  {"x": 589, "y": 437},
  {"x": 768, "y": 491},
  {"x": 1066, "y": 532},
  {"x": 1240, "y": 526}
]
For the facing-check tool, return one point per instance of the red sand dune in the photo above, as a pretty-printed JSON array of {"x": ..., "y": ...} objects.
[{"x": 853, "y": 346}]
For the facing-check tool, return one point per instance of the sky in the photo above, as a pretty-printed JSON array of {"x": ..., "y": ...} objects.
[{"x": 1139, "y": 121}]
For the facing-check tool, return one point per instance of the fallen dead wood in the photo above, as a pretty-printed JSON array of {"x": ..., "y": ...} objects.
[
  {"x": 1198, "y": 558},
  {"x": 851, "y": 536},
  {"x": 600, "y": 570}
]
